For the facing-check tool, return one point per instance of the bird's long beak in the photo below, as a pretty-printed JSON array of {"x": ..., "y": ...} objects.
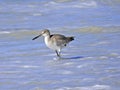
[{"x": 36, "y": 37}]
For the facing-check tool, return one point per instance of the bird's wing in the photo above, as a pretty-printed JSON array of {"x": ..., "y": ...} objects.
[{"x": 59, "y": 40}]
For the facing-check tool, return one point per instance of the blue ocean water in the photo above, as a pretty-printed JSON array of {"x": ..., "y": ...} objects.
[
  {"x": 41, "y": 14},
  {"x": 90, "y": 62}
]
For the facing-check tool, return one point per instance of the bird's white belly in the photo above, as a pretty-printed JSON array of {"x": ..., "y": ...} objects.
[{"x": 51, "y": 45}]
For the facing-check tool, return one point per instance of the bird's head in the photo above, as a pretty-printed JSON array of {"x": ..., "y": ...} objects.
[{"x": 44, "y": 33}]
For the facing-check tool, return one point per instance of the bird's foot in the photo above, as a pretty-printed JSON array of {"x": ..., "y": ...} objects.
[{"x": 57, "y": 58}]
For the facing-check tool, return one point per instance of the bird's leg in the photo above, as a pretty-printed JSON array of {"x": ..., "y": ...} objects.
[{"x": 58, "y": 53}]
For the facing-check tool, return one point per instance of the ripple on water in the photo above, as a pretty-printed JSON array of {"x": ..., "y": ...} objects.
[
  {"x": 94, "y": 87},
  {"x": 87, "y": 58},
  {"x": 68, "y": 64},
  {"x": 113, "y": 55},
  {"x": 28, "y": 66},
  {"x": 100, "y": 43},
  {"x": 66, "y": 72},
  {"x": 118, "y": 56},
  {"x": 81, "y": 66},
  {"x": 103, "y": 57}
]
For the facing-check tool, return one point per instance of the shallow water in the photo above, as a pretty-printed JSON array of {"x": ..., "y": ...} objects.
[{"x": 90, "y": 62}]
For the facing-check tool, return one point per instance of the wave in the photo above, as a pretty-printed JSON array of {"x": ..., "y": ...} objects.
[
  {"x": 79, "y": 3},
  {"x": 98, "y": 29},
  {"x": 5, "y": 32},
  {"x": 94, "y": 87},
  {"x": 70, "y": 4},
  {"x": 87, "y": 29}
]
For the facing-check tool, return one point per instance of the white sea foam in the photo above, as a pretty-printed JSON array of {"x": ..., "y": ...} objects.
[
  {"x": 94, "y": 87},
  {"x": 67, "y": 72},
  {"x": 37, "y": 14},
  {"x": 64, "y": 72},
  {"x": 28, "y": 66},
  {"x": 101, "y": 87},
  {"x": 4, "y": 32},
  {"x": 86, "y": 4},
  {"x": 78, "y": 4},
  {"x": 100, "y": 43},
  {"x": 68, "y": 63},
  {"x": 87, "y": 58},
  {"x": 81, "y": 66},
  {"x": 114, "y": 54},
  {"x": 103, "y": 57}
]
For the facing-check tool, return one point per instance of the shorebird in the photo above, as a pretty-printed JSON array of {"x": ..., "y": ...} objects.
[{"x": 54, "y": 41}]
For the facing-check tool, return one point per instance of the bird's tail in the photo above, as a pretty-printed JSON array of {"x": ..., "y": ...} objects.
[{"x": 70, "y": 39}]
